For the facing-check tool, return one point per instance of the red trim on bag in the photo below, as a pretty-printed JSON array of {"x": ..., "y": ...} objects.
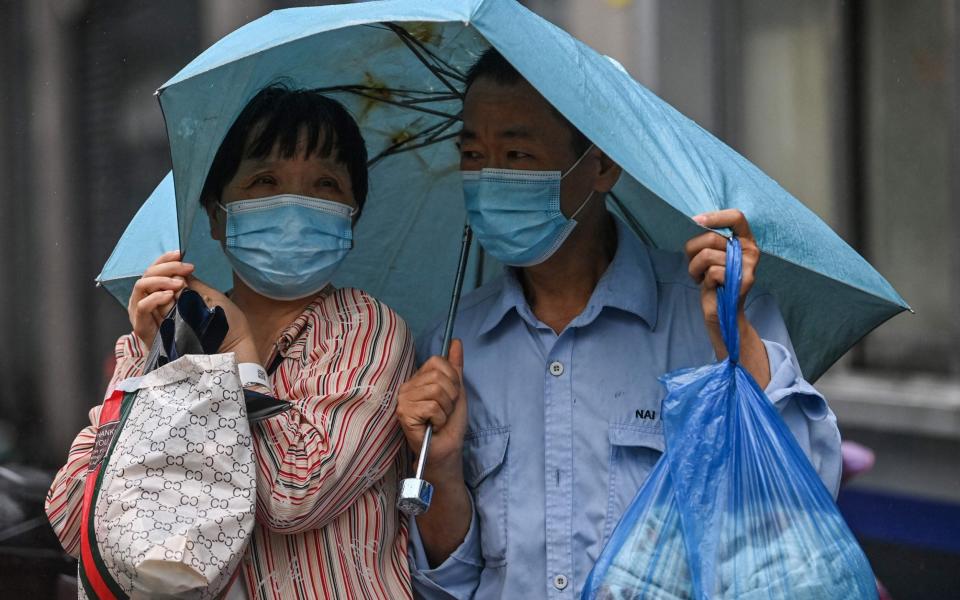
[{"x": 109, "y": 413}]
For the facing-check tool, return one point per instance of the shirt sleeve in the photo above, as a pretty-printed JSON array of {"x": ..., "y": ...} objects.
[
  {"x": 802, "y": 407},
  {"x": 458, "y": 576},
  {"x": 340, "y": 436},
  {"x": 64, "y": 501}
]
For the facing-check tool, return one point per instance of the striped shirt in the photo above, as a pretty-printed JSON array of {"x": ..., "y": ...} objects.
[{"x": 327, "y": 470}]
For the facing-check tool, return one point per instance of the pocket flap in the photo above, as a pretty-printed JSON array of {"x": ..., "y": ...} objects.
[
  {"x": 630, "y": 435},
  {"x": 484, "y": 452}
]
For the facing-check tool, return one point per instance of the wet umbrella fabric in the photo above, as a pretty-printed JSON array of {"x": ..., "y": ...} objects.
[{"x": 399, "y": 67}]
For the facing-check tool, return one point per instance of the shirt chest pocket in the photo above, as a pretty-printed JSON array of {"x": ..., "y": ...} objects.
[
  {"x": 485, "y": 472},
  {"x": 633, "y": 453}
]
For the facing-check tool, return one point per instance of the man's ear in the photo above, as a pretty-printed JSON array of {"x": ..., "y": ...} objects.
[{"x": 609, "y": 173}]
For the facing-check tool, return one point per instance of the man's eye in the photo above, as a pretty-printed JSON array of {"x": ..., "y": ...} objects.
[
  {"x": 471, "y": 155},
  {"x": 329, "y": 183},
  {"x": 517, "y": 155},
  {"x": 264, "y": 180}
]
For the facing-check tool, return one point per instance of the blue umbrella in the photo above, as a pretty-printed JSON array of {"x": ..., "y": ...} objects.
[{"x": 398, "y": 65}]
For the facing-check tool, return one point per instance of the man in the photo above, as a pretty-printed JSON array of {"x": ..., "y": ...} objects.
[{"x": 547, "y": 414}]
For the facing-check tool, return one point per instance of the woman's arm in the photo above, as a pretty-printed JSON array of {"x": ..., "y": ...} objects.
[
  {"x": 65, "y": 498},
  {"x": 340, "y": 437}
]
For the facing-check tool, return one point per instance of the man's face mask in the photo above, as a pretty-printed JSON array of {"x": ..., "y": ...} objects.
[
  {"x": 516, "y": 214},
  {"x": 287, "y": 247}
]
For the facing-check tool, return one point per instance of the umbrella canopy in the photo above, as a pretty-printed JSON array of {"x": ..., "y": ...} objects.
[{"x": 399, "y": 65}]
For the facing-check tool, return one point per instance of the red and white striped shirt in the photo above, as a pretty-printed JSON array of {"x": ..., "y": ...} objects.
[{"x": 327, "y": 470}]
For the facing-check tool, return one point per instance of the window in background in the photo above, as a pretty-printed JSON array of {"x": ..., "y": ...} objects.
[
  {"x": 910, "y": 218},
  {"x": 126, "y": 50}
]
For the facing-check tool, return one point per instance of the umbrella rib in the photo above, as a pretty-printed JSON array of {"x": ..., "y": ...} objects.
[
  {"x": 450, "y": 69},
  {"x": 434, "y": 99},
  {"x": 440, "y": 127},
  {"x": 422, "y": 53},
  {"x": 404, "y": 147},
  {"x": 408, "y": 95},
  {"x": 428, "y": 95},
  {"x": 400, "y": 103}
]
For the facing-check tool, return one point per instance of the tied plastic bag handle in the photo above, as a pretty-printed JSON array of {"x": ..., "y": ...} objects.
[{"x": 728, "y": 299}]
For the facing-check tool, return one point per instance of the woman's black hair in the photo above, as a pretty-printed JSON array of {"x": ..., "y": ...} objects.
[{"x": 277, "y": 115}]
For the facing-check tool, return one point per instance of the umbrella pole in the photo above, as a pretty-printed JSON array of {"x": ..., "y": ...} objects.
[{"x": 415, "y": 492}]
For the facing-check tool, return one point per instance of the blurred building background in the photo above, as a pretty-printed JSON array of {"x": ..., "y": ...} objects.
[{"x": 852, "y": 105}]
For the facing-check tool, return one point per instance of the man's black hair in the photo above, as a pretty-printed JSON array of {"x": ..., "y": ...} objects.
[
  {"x": 493, "y": 65},
  {"x": 276, "y": 116}
]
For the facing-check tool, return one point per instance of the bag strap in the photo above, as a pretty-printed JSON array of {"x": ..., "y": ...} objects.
[{"x": 92, "y": 572}]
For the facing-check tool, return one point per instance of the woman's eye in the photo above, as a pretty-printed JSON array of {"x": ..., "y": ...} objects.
[
  {"x": 329, "y": 183},
  {"x": 264, "y": 180},
  {"x": 517, "y": 155},
  {"x": 470, "y": 155}
]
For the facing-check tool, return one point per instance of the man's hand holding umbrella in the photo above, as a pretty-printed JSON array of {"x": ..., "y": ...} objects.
[{"x": 436, "y": 396}]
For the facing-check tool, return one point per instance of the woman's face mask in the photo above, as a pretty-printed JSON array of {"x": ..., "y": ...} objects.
[
  {"x": 287, "y": 246},
  {"x": 516, "y": 214}
]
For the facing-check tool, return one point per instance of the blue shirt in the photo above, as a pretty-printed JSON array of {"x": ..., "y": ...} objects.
[{"x": 564, "y": 429}]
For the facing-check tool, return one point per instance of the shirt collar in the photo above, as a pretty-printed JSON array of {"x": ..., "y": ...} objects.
[{"x": 629, "y": 284}]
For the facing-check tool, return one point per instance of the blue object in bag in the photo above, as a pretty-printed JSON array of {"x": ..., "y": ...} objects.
[{"x": 733, "y": 508}]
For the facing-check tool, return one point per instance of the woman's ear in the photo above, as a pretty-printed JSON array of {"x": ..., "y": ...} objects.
[{"x": 217, "y": 225}]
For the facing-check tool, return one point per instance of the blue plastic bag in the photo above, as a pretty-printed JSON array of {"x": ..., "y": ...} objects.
[{"x": 733, "y": 508}]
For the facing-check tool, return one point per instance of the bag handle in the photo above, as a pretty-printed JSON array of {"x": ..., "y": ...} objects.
[
  {"x": 728, "y": 299},
  {"x": 191, "y": 327}
]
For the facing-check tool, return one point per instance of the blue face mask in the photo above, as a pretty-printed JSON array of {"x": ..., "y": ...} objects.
[
  {"x": 287, "y": 247},
  {"x": 516, "y": 214}
]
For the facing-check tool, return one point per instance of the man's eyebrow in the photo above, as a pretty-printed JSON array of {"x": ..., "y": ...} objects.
[
  {"x": 513, "y": 133},
  {"x": 516, "y": 133}
]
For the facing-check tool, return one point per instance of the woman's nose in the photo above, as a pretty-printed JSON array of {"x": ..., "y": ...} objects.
[{"x": 295, "y": 187}]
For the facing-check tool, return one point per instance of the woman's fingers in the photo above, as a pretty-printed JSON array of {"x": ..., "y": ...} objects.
[
  {"x": 148, "y": 314},
  {"x": 169, "y": 269},
  {"x": 147, "y": 285}
]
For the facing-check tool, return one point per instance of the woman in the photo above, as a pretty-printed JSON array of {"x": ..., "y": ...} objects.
[{"x": 282, "y": 194}]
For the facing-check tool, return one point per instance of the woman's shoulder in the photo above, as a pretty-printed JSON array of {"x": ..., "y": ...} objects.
[{"x": 355, "y": 304}]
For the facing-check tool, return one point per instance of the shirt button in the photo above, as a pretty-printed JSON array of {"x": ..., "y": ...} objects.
[
  {"x": 560, "y": 582},
  {"x": 556, "y": 368}
]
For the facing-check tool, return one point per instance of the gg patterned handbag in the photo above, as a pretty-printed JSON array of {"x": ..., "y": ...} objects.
[{"x": 170, "y": 493}]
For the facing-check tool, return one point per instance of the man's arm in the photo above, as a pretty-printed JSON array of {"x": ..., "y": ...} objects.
[
  {"x": 803, "y": 409},
  {"x": 445, "y": 549},
  {"x": 765, "y": 348},
  {"x": 435, "y": 396},
  {"x": 708, "y": 265}
]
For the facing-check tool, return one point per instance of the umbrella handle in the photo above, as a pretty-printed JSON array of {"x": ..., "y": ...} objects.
[{"x": 415, "y": 493}]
